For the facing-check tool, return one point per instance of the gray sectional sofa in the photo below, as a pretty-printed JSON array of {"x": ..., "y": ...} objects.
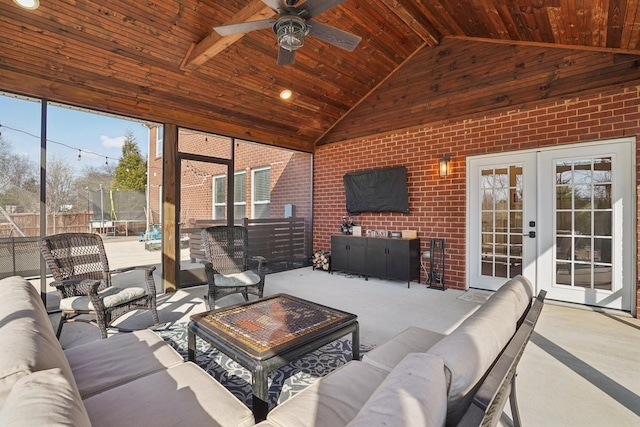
[
  {"x": 418, "y": 378},
  {"x": 127, "y": 380}
]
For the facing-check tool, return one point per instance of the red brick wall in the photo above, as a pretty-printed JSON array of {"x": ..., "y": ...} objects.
[
  {"x": 437, "y": 205},
  {"x": 290, "y": 175}
]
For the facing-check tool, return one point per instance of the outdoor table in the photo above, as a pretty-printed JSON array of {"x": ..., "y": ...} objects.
[{"x": 268, "y": 333}]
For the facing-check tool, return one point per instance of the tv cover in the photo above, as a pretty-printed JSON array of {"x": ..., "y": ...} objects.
[{"x": 378, "y": 190}]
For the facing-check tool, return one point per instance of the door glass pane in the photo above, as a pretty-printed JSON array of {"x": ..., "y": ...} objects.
[
  {"x": 515, "y": 222},
  {"x": 563, "y": 197},
  {"x": 501, "y": 203},
  {"x": 583, "y": 226},
  {"x": 487, "y": 198},
  {"x": 582, "y": 195},
  {"x": 564, "y": 247},
  {"x": 602, "y": 277},
  {"x": 602, "y": 196},
  {"x": 563, "y": 222},
  {"x": 487, "y": 222},
  {"x": 583, "y": 222}
]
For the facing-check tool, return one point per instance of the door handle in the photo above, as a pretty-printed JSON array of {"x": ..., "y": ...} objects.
[{"x": 531, "y": 234}]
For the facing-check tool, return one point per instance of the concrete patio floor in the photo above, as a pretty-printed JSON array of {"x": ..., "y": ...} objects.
[{"x": 581, "y": 367}]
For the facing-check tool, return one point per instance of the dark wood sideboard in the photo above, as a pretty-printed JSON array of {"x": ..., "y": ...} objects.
[{"x": 386, "y": 258}]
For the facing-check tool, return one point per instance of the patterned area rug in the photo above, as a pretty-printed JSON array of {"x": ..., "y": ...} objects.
[{"x": 283, "y": 383}]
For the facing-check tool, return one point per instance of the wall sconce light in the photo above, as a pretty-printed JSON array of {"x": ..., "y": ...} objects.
[{"x": 445, "y": 165}]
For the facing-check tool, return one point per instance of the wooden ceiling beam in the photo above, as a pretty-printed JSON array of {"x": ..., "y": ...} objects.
[
  {"x": 213, "y": 43},
  {"x": 612, "y": 50},
  {"x": 410, "y": 18}
]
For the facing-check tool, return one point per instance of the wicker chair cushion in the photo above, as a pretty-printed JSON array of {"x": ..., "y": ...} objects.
[
  {"x": 246, "y": 278},
  {"x": 111, "y": 296}
]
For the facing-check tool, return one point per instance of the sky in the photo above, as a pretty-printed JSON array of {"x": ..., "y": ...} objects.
[{"x": 97, "y": 138}]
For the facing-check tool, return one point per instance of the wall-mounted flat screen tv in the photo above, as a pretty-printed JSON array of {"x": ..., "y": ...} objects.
[{"x": 377, "y": 190}]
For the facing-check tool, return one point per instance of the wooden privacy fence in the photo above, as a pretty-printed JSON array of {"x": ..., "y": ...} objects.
[
  {"x": 61, "y": 222},
  {"x": 69, "y": 222},
  {"x": 279, "y": 240}
]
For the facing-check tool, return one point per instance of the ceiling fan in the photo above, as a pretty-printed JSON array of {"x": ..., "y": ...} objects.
[{"x": 294, "y": 24}]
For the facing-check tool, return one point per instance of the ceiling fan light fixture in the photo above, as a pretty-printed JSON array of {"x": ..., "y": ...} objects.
[{"x": 291, "y": 31}]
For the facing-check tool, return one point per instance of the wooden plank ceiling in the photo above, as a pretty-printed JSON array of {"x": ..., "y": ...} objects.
[{"x": 418, "y": 62}]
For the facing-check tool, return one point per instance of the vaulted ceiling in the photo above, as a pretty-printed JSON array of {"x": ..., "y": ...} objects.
[{"x": 419, "y": 62}]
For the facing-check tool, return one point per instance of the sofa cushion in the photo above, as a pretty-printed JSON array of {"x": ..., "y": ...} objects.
[
  {"x": 104, "y": 364},
  {"x": 183, "y": 394},
  {"x": 517, "y": 292},
  {"x": 469, "y": 351},
  {"x": 411, "y": 340},
  {"x": 43, "y": 398},
  {"x": 414, "y": 394},
  {"x": 26, "y": 325},
  {"x": 332, "y": 401}
]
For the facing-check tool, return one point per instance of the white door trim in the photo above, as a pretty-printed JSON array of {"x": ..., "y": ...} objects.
[{"x": 629, "y": 212}]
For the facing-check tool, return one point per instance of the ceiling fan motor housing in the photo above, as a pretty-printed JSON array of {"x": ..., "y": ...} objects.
[{"x": 291, "y": 31}]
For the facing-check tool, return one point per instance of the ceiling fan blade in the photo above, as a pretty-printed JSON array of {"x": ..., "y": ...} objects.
[
  {"x": 311, "y": 8},
  {"x": 334, "y": 36},
  {"x": 286, "y": 57},
  {"x": 276, "y": 5},
  {"x": 244, "y": 27}
]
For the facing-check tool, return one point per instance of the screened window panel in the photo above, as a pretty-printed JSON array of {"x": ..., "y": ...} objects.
[
  {"x": 220, "y": 184},
  {"x": 240, "y": 211},
  {"x": 262, "y": 211},
  {"x": 159, "y": 140},
  {"x": 219, "y": 212},
  {"x": 240, "y": 187},
  {"x": 262, "y": 185}
]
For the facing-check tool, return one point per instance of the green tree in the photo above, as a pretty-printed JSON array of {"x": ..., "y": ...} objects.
[{"x": 131, "y": 172}]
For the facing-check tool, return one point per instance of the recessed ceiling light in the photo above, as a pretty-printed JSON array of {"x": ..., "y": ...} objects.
[
  {"x": 28, "y": 4},
  {"x": 286, "y": 94}
]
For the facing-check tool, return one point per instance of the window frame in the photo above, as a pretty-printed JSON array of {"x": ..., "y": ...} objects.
[{"x": 255, "y": 202}]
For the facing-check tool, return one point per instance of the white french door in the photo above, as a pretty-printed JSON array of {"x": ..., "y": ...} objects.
[
  {"x": 563, "y": 217},
  {"x": 502, "y": 219}
]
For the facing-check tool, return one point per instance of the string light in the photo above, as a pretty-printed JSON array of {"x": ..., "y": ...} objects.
[
  {"x": 195, "y": 171},
  {"x": 63, "y": 144}
]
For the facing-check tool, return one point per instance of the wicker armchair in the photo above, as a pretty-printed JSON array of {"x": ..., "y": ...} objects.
[
  {"x": 229, "y": 268},
  {"x": 79, "y": 265}
]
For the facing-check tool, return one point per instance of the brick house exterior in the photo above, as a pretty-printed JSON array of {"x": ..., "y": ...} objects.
[
  {"x": 438, "y": 205},
  {"x": 290, "y": 175}
]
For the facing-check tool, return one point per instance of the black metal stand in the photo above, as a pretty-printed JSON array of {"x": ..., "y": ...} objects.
[{"x": 435, "y": 278}]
